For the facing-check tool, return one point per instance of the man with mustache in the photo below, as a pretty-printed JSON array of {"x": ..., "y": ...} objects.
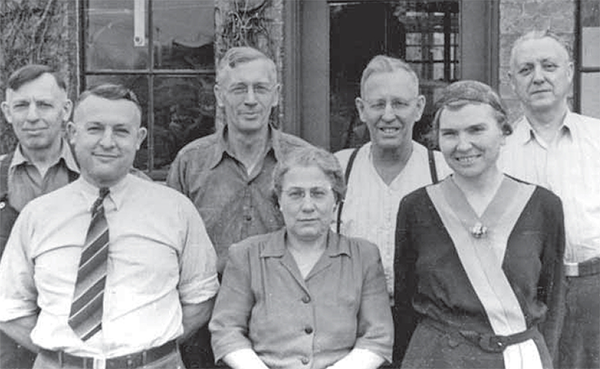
[
  {"x": 558, "y": 149},
  {"x": 37, "y": 107},
  {"x": 228, "y": 174}
]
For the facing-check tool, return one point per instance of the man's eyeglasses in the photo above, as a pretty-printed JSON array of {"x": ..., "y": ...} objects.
[
  {"x": 397, "y": 105},
  {"x": 259, "y": 89}
]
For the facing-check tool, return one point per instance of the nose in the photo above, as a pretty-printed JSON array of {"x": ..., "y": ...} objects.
[
  {"x": 308, "y": 203},
  {"x": 464, "y": 142},
  {"x": 388, "y": 113},
  {"x": 538, "y": 74},
  {"x": 32, "y": 113},
  {"x": 107, "y": 139},
  {"x": 250, "y": 96}
]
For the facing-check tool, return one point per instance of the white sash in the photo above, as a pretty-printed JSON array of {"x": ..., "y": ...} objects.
[{"x": 481, "y": 257}]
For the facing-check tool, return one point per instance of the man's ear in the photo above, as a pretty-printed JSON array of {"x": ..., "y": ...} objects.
[
  {"x": 67, "y": 110},
  {"x": 360, "y": 106},
  {"x": 71, "y": 132},
  {"x": 141, "y": 136},
  {"x": 219, "y": 96},
  {"x": 6, "y": 111},
  {"x": 276, "y": 95}
]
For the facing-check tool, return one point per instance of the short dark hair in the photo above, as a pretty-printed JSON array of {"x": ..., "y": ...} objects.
[
  {"x": 311, "y": 156},
  {"x": 32, "y": 72},
  {"x": 111, "y": 92},
  {"x": 461, "y": 93}
]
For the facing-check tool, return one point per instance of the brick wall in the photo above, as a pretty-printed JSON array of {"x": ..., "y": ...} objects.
[{"x": 520, "y": 16}]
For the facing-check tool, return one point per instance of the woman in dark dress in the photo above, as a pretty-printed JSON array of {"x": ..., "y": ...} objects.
[{"x": 479, "y": 255}]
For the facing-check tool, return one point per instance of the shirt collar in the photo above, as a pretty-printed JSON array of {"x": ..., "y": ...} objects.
[
  {"x": 276, "y": 245},
  {"x": 524, "y": 132},
  {"x": 116, "y": 196},
  {"x": 222, "y": 146},
  {"x": 65, "y": 154}
]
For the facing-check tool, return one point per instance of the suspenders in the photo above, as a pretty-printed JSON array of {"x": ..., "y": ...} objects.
[{"x": 432, "y": 172}]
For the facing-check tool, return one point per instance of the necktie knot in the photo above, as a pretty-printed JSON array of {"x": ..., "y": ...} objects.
[{"x": 103, "y": 193}]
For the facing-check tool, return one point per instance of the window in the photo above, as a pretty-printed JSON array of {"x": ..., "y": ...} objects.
[
  {"x": 162, "y": 50},
  {"x": 423, "y": 33},
  {"x": 589, "y": 58}
]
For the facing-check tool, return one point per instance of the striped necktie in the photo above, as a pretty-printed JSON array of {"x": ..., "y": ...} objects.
[{"x": 85, "y": 317}]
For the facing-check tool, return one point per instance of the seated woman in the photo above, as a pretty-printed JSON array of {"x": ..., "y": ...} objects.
[
  {"x": 479, "y": 255},
  {"x": 303, "y": 296}
]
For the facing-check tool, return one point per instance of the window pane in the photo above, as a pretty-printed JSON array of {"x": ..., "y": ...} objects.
[
  {"x": 184, "y": 110},
  {"x": 184, "y": 33},
  {"x": 590, "y": 94},
  {"x": 109, "y": 36}
]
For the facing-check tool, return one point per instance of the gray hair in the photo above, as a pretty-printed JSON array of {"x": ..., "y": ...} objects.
[
  {"x": 537, "y": 35},
  {"x": 385, "y": 64},
  {"x": 311, "y": 156},
  {"x": 458, "y": 94},
  {"x": 240, "y": 55}
]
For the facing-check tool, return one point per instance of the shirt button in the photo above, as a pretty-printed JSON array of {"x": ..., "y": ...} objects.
[
  {"x": 305, "y": 360},
  {"x": 306, "y": 299},
  {"x": 308, "y": 330},
  {"x": 2, "y": 205},
  {"x": 248, "y": 218}
]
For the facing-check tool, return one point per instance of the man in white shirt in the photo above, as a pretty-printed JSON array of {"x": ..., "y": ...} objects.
[
  {"x": 110, "y": 270},
  {"x": 558, "y": 149},
  {"x": 391, "y": 165}
]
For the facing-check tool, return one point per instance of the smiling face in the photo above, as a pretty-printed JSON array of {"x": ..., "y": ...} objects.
[
  {"x": 390, "y": 106},
  {"x": 541, "y": 74},
  {"x": 248, "y": 93},
  {"x": 470, "y": 139},
  {"x": 106, "y": 135},
  {"x": 37, "y": 111},
  {"x": 307, "y": 203}
]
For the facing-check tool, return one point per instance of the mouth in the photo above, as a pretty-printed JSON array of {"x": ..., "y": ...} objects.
[
  {"x": 467, "y": 159},
  {"x": 389, "y": 130},
  {"x": 540, "y": 92},
  {"x": 105, "y": 157}
]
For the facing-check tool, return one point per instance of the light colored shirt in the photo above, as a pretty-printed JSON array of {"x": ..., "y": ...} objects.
[
  {"x": 293, "y": 322},
  {"x": 371, "y": 206},
  {"x": 160, "y": 258},
  {"x": 25, "y": 182},
  {"x": 233, "y": 204},
  {"x": 570, "y": 167}
]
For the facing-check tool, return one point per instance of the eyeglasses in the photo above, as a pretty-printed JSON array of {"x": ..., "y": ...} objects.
[
  {"x": 315, "y": 193},
  {"x": 397, "y": 105},
  {"x": 240, "y": 90}
]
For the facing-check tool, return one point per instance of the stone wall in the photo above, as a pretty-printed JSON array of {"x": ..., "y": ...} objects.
[
  {"x": 520, "y": 16},
  {"x": 36, "y": 31}
]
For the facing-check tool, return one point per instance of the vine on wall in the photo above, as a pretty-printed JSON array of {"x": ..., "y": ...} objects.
[{"x": 31, "y": 31}]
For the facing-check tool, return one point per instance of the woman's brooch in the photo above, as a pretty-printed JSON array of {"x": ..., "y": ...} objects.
[{"x": 478, "y": 230}]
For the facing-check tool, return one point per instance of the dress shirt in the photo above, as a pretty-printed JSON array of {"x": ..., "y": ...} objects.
[
  {"x": 570, "y": 167},
  {"x": 371, "y": 206},
  {"x": 160, "y": 258},
  {"x": 292, "y": 322},
  {"x": 25, "y": 182},
  {"x": 234, "y": 204}
]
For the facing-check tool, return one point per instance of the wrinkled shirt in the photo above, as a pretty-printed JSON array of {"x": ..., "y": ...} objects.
[
  {"x": 160, "y": 258},
  {"x": 293, "y": 322},
  {"x": 371, "y": 206},
  {"x": 25, "y": 182},
  {"x": 233, "y": 204},
  {"x": 570, "y": 167}
]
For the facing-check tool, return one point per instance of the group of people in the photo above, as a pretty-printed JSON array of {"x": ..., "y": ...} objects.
[{"x": 265, "y": 252}]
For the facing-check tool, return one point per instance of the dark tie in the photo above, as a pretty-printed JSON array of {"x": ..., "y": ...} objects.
[{"x": 86, "y": 309}]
